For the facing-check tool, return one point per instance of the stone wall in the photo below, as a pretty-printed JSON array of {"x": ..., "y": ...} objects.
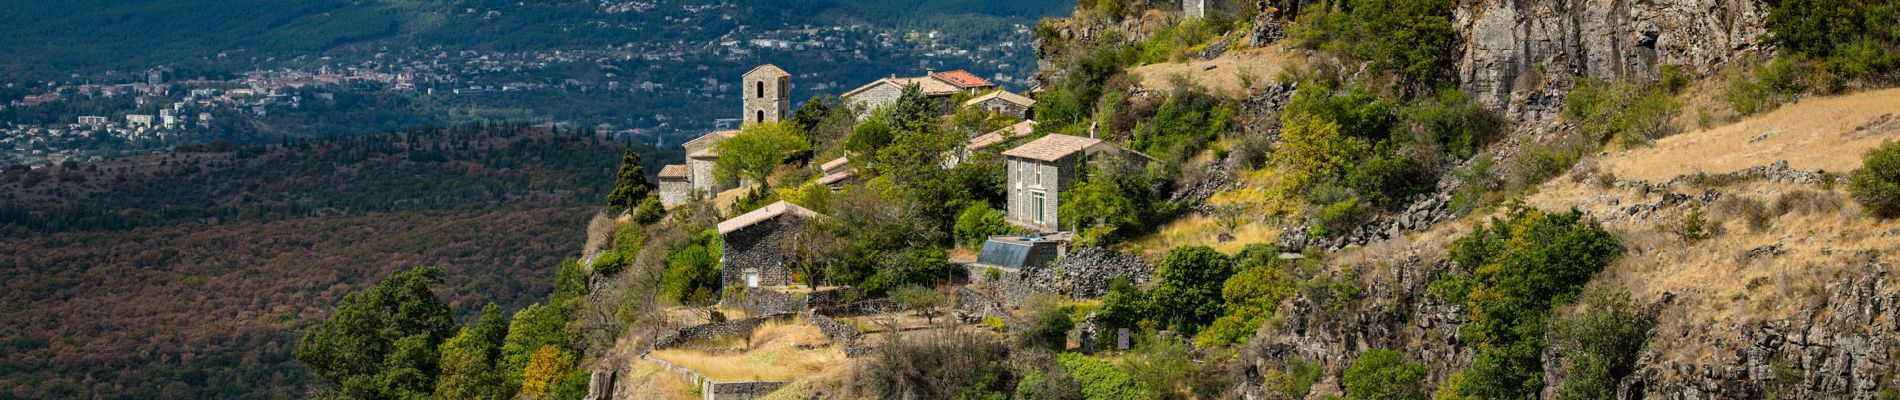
[
  {"x": 675, "y": 191},
  {"x": 1084, "y": 273},
  {"x": 715, "y": 390},
  {"x": 700, "y": 172},
  {"x": 844, "y": 334},
  {"x": 686, "y": 337},
  {"x": 973, "y": 307},
  {"x": 767, "y": 301},
  {"x": 739, "y": 390},
  {"x": 879, "y": 96},
  {"x": 859, "y": 308}
]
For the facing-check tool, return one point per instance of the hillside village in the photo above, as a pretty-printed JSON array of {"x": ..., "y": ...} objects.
[{"x": 1412, "y": 207}]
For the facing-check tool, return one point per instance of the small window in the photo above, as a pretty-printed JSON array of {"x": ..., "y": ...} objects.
[
  {"x": 761, "y": 116},
  {"x": 752, "y": 279},
  {"x": 761, "y": 89}
]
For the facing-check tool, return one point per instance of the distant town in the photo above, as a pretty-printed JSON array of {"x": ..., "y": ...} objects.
[{"x": 81, "y": 119}]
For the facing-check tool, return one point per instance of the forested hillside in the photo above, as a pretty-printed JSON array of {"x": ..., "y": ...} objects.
[
  {"x": 429, "y": 169},
  {"x": 187, "y": 274}
]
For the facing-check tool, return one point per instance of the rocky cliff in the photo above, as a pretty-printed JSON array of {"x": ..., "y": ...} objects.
[
  {"x": 1519, "y": 56},
  {"x": 1822, "y": 324}
]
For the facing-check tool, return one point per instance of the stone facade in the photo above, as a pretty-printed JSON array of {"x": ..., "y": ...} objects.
[
  {"x": 676, "y": 185},
  {"x": 871, "y": 98},
  {"x": 1035, "y": 189},
  {"x": 1004, "y": 103},
  {"x": 768, "y": 95},
  {"x": 759, "y": 246}
]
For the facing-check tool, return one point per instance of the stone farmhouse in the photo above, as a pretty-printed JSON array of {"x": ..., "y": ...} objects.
[
  {"x": 1004, "y": 103},
  {"x": 938, "y": 86},
  {"x": 1041, "y": 170},
  {"x": 767, "y": 98},
  {"x": 760, "y": 246}
]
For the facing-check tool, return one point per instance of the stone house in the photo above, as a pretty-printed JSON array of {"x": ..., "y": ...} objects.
[
  {"x": 676, "y": 186},
  {"x": 1002, "y": 102},
  {"x": 938, "y": 86},
  {"x": 1039, "y": 172},
  {"x": 760, "y": 247}
]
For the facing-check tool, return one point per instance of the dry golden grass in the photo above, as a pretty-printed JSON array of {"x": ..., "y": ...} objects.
[
  {"x": 1262, "y": 64},
  {"x": 645, "y": 380},
  {"x": 772, "y": 356},
  {"x": 1254, "y": 204},
  {"x": 1816, "y": 133},
  {"x": 1822, "y": 236}
]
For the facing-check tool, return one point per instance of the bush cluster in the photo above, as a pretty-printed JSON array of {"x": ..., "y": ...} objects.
[
  {"x": 1876, "y": 185},
  {"x": 1516, "y": 270}
]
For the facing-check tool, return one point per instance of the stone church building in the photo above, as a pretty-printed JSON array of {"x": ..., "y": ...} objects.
[{"x": 767, "y": 97}]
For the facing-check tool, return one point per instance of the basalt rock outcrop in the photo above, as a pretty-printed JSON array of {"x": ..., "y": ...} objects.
[{"x": 1519, "y": 56}]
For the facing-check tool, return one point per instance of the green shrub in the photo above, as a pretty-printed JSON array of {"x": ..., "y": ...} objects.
[
  {"x": 1049, "y": 324},
  {"x": 1251, "y": 296},
  {"x": 1184, "y": 124},
  {"x": 1340, "y": 217},
  {"x": 1188, "y": 288},
  {"x": 977, "y": 223},
  {"x": 1411, "y": 39},
  {"x": 1296, "y": 381},
  {"x": 1102, "y": 380},
  {"x": 1456, "y": 122},
  {"x": 1876, "y": 185},
  {"x": 1599, "y": 343},
  {"x": 1770, "y": 86},
  {"x": 1694, "y": 227},
  {"x": 1634, "y": 113},
  {"x": 1518, "y": 269},
  {"x": 1383, "y": 374}
]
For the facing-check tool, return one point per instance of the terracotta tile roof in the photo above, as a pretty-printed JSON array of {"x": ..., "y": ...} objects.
[
  {"x": 673, "y": 171},
  {"x": 763, "y": 214},
  {"x": 836, "y": 176},
  {"x": 768, "y": 69},
  {"x": 1004, "y": 95},
  {"x": 834, "y": 164},
  {"x": 1052, "y": 147},
  {"x": 1000, "y": 135},
  {"x": 962, "y": 79}
]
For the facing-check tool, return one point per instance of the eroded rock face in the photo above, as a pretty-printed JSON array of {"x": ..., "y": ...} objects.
[
  {"x": 1516, "y": 52},
  {"x": 1394, "y": 312},
  {"x": 1839, "y": 346}
]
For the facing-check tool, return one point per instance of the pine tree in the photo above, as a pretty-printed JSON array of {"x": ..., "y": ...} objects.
[{"x": 630, "y": 185}]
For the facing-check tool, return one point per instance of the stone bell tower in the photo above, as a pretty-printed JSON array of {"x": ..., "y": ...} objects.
[{"x": 768, "y": 95}]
